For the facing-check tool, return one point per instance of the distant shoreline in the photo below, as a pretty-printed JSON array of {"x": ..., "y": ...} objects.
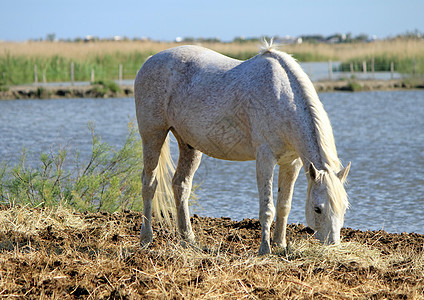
[
  {"x": 90, "y": 91},
  {"x": 368, "y": 85}
]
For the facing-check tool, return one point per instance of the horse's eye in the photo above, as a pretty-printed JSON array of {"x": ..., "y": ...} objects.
[{"x": 317, "y": 209}]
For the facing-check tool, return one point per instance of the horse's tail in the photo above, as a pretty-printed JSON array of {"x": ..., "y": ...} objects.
[{"x": 163, "y": 201}]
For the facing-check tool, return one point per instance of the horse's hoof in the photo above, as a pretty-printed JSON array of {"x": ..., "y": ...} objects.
[
  {"x": 145, "y": 240},
  {"x": 190, "y": 244},
  {"x": 184, "y": 244},
  {"x": 279, "y": 246},
  {"x": 264, "y": 250},
  {"x": 145, "y": 243},
  {"x": 284, "y": 250},
  {"x": 281, "y": 251}
]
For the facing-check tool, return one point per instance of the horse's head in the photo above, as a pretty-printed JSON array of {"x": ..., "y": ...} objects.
[{"x": 326, "y": 203}]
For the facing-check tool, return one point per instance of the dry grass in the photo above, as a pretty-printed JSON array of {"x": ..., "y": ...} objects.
[
  {"x": 26, "y": 220},
  {"x": 342, "y": 52},
  {"x": 104, "y": 59},
  {"x": 98, "y": 256}
]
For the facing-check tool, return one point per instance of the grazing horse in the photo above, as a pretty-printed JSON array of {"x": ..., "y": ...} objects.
[{"x": 264, "y": 109}]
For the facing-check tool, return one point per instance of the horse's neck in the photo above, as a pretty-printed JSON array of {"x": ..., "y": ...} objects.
[
  {"x": 306, "y": 137},
  {"x": 312, "y": 132},
  {"x": 309, "y": 152}
]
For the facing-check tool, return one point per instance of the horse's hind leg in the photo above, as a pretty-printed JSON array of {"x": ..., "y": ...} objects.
[
  {"x": 152, "y": 145},
  {"x": 188, "y": 163}
]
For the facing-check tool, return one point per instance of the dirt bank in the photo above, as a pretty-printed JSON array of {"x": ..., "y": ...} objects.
[
  {"x": 63, "y": 255},
  {"x": 57, "y": 92},
  {"x": 94, "y": 91},
  {"x": 367, "y": 85}
]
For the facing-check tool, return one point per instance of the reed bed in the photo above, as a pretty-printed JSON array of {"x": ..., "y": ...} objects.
[
  {"x": 23, "y": 63},
  {"x": 341, "y": 52}
]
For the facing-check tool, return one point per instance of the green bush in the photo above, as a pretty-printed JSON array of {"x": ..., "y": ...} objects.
[
  {"x": 107, "y": 85},
  {"x": 354, "y": 86},
  {"x": 109, "y": 181}
]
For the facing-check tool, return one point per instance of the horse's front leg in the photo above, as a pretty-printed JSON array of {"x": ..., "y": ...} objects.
[
  {"x": 286, "y": 178},
  {"x": 265, "y": 163}
]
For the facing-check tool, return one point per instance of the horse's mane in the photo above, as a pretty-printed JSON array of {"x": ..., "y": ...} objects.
[
  {"x": 267, "y": 47},
  {"x": 322, "y": 126},
  {"x": 323, "y": 129}
]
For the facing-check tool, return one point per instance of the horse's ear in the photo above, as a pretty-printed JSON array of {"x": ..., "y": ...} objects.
[
  {"x": 313, "y": 172},
  {"x": 343, "y": 173}
]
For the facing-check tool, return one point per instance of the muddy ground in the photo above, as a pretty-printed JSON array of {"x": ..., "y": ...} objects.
[{"x": 62, "y": 255}]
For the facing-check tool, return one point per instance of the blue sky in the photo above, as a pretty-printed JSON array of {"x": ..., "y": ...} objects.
[{"x": 167, "y": 19}]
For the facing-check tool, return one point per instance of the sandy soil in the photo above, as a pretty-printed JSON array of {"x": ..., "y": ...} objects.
[{"x": 63, "y": 255}]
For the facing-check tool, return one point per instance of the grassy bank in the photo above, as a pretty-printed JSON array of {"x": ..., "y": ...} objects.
[
  {"x": 103, "y": 59},
  {"x": 112, "y": 90}
]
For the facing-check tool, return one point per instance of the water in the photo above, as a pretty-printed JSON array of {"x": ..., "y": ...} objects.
[
  {"x": 320, "y": 71},
  {"x": 317, "y": 71},
  {"x": 380, "y": 132}
]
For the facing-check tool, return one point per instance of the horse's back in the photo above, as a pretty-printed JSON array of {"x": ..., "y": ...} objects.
[
  {"x": 179, "y": 64},
  {"x": 168, "y": 77}
]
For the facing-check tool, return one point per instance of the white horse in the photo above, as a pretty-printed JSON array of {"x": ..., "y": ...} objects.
[{"x": 264, "y": 109}]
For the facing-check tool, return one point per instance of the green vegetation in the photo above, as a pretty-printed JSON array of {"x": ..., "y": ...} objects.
[
  {"x": 16, "y": 70},
  {"x": 108, "y": 85},
  {"x": 24, "y": 63},
  {"x": 354, "y": 86},
  {"x": 241, "y": 55},
  {"x": 42, "y": 93},
  {"x": 109, "y": 181},
  {"x": 102, "y": 87},
  {"x": 405, "y": 65}
]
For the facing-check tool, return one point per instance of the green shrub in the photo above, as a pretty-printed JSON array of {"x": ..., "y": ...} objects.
[
  {"x": 354, "y": 86},
  {"x": 108, "y": 85},
  {"x": 109, "y": 181},
  {"x": 42, "y": 93}
]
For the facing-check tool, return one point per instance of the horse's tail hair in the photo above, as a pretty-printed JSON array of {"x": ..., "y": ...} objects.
[{"x": 163, "y": 201}]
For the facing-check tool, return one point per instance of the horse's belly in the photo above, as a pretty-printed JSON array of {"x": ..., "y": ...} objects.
[
  {"x": 219, "y": 141},
  {"x": 216, "y": 130},
  {"x": 233, "y": 151}
]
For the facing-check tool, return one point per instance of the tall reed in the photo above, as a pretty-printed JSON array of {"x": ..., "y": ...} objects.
[{"x": 102, "y": 59}]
